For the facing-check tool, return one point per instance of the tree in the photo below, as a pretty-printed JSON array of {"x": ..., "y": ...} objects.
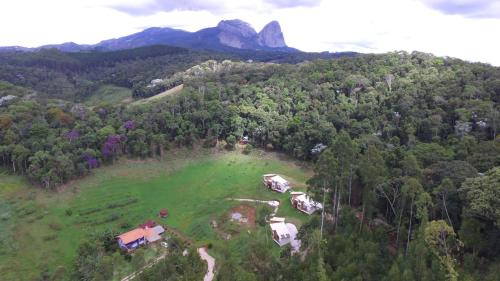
[
  {"x": 388, "y": 79},
  {"x": 481, "y": 196},
  {"x": 429, "y": 153},
  {"x": 443, "y": 191},
  {"x": 410, "y": 166},
  {"x": 485, "y": 155},
  {"x": 373, "y": 173},
  {"x": 442, "y": 241},
  {"x": 323, "y": 181},
  {"x": 411, "y": 191},
  {"x": 346, "y": 152},
  {"x": 230, "y": 141}
]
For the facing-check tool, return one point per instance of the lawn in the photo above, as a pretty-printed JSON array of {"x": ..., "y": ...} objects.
[
  {"x": 47, "y": 227},
  {"x": 109, "y": 94}
]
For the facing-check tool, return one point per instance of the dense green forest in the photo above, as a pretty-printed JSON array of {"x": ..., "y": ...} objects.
[
  {"x": 75, "y": 76},
  {"x": 410, "y": 174}
]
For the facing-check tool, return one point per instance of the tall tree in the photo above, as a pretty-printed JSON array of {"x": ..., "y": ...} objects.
[{"x": 373, "y": 173}]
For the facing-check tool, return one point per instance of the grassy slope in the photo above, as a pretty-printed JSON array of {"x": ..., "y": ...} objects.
[
  {"x": 109, "y": 94},
  {"x": 170, "y": 92},
  {"x": 194, "y": 195}
]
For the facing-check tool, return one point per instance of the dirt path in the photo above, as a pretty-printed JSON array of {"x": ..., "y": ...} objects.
[
  {"x": 137, "y": 272},
  {"x": 210, "y": 261},
  {"x": 272, "y": 203}
]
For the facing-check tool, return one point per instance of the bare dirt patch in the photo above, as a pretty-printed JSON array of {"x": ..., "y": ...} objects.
[{"x": 243, "y": 214}]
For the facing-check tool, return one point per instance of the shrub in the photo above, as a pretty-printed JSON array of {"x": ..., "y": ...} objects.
[
  {"x": 114, "y": 217},
  {"x": 69, "y": 212},
  {"x": 49, "y": 237},
  {"x": 90, "y": 211},
  {"x": 209, "y": 142},
  {"x": 5, "y": 216},
  {"x": 122, "y": 204},
  {"x": 230, "y": 142},
  {"x": 261, "y": 215},
  {"x": 125, "y": 225},
  {"x": 55, "y": 226},
  {"x": 248, "y": 149}
]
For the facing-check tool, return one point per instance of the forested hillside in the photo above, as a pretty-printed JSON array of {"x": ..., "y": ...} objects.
[
  {"x": 74, "y": 76},
  {"x": 410, "y": 174}
]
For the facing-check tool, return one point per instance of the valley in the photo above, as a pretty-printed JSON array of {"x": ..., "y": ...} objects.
[{"x": 400, "y": 149}]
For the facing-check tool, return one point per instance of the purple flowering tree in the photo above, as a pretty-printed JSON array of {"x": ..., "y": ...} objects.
[
  {"x": 129, "y": 125},
  {"x": 112, "y": 145},
  {"x": 92, "y": 162},
  {"x": 72, "y": 135}
]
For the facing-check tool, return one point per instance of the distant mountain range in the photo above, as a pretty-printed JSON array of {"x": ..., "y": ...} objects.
[{"x": 228, "y": 35}]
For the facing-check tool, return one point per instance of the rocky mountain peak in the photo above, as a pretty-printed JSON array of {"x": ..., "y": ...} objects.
[
  {"x": 271, "y": 36},
  {"x": 237, "y": 27}
]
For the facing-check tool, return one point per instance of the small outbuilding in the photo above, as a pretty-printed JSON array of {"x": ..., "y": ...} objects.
[
  {"x": 284, "y": 233},
  {"x": 163, "y": 213},
  {"x": 276, "y": 183},
  {"x": 302, "y": 202},
  {"x": 280, "y": 232}
]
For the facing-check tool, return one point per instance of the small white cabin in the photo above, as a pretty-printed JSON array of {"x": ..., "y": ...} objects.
[
  {"x": 280, "y": 232},
  {"x": 284, "y": 233},
  {"x": 276, "y": 182},
  {"x": 304, "y": 203}
]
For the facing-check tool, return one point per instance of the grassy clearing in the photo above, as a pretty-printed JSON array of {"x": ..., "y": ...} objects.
[
  {"x": 173, "y": 91},
  {"x": 109, "y": 94},
  {"x": 47, "y": 227}
]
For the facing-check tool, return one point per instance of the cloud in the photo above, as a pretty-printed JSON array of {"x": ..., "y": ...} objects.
[
  {"x": 155, "y": 6},
  {"x": 149, "y": 7},
  {"x": 293, "y": 3},
  {"x": 467, "y": 8}
]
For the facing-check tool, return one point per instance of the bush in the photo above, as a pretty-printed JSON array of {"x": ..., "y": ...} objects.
[
  {"x": 90, "y": 211},
  {"x": 209, "y": 142},
  {"x": 49, "y": 237},
  {"x": 262, "y": 214},
  {"x": 122, "y": 204},
  {"x": 69, "y": 212},
  {"x": 55, "y": 226},
  {"x": 230, "y": 142},
  {"x": 125, "y": 225},
  {"x": 114, "y": 217},
  {"x": 248, "y": 149},
  {"x": 5, "y": 216}
]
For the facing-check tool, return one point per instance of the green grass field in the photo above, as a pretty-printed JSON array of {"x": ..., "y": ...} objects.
[
  {"x": 109, "y": 94},
  {"x": 43, "y": 229}
]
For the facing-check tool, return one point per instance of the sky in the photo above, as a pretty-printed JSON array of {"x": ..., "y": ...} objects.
[{"x": 467, "y": 29}]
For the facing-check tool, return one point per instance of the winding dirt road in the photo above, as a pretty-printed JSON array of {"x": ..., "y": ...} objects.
[{"x": 210, "y": 261}]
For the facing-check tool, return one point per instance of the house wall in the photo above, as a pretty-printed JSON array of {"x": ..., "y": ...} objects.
[{"x": 132, "y": 245}]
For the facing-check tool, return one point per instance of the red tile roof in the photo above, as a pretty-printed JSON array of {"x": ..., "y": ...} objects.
[{"x": 132, "y": 235}]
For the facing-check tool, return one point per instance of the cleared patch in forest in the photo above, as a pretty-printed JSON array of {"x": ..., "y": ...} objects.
[
  {"x": 192, "y": 185},
  {"x": 169, "y": 92}
]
